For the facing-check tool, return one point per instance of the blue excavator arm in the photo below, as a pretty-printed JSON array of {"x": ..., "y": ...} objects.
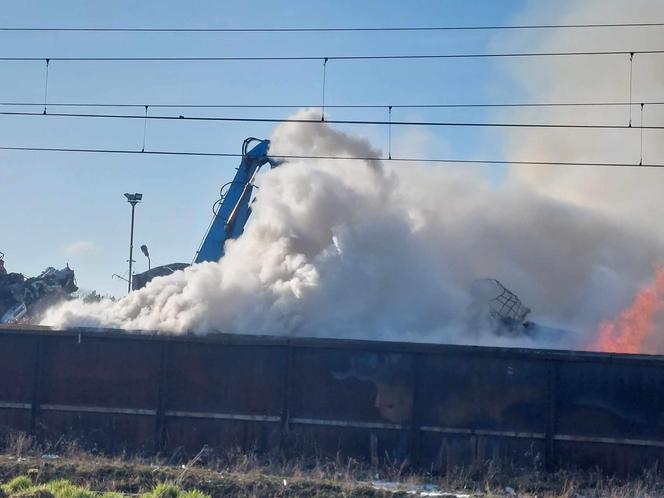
[{"x": 232, "y": 211}]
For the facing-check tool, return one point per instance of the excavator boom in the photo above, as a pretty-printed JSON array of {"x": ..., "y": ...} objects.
[{"x": 232, "y": 211}]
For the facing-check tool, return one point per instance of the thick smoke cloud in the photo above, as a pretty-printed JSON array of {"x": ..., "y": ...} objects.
[
  {"x": 629, "y": 196},
  {"x": 388, "y": 251}
]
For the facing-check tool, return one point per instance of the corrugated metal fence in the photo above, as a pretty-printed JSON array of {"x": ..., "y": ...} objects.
[{"x": 431, "y": 405}]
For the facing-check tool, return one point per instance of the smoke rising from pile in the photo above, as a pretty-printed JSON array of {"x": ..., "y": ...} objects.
[
  {"x": 629, "y": 196},
  {"x": 385, "y": 250},
  {"x": 389, "y": 251},
  {"x": 594, "y": 79}
]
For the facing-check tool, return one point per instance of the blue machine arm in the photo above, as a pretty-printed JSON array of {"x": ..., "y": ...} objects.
[{"x": 232, "y": 211}]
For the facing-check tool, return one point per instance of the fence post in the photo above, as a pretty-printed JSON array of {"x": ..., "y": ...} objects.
[
  {"x": 284, "y": 429},
  {"x": 159, "y": 426},
  {"x": 416, "y": 417},
  {"x": 552, "y": 425},
  {"x": 37, "y": 387}
]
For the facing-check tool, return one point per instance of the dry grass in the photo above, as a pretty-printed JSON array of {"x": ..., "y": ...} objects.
[{"x": 242, "y": 474}]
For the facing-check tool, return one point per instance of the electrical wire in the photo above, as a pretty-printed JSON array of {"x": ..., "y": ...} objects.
[
  {"x": 336, "y": 158},
  {"x": 333, "y": 57},
  {"x": 328, "y": 121},
  {"x": 329, "y": 29},
  {"x": 335, "y": 106}
]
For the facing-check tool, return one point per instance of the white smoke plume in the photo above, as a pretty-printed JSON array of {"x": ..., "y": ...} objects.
[
  {"x": 386, "y": 251},
  {"x": 632, "y": 194},
  {"x": 631, "y": 197}
]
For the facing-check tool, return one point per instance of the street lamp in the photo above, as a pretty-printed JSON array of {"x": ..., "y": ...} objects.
[
  {"x": 133, "y": 199},
  {"x": 144, "y": 250}
]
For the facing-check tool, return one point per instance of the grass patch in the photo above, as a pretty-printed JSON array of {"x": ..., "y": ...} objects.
[
  {"x": 193, "y": 493},
  {"x": 17, "y": 485},
  {"x": 65, "y": 489},
  {"x": 23, "y": 487},
  {"x": 170, "y": 490},
  {"x": 165, "y": 490}
]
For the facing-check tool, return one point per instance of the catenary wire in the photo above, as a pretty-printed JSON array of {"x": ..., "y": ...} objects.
[
  {"x": 338, "y": 158},
  {"x": 328, "y": 121},
  {"x": 336, "y": 106},
  {"x": 328, "y": 29},
  {"x": 329, "y": 57}
]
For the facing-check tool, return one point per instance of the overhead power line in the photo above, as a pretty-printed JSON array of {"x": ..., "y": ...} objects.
[
  {"x": 327, "y": 121},
  {"x": 336, "y": 158},
  {"x": 330, "y": 58},
  {"x": 335, "y": 106},
  {"x": 329, "y": 29}
]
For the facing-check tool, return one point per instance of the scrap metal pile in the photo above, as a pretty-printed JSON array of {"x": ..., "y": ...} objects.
[
  {"x": 499, "y": 307},
  {"x": 21, "y": 298}
]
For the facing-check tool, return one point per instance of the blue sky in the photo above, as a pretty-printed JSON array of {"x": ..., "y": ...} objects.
[{"x": 58, "y": 207}]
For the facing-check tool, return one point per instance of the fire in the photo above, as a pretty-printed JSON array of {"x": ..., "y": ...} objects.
[{"x": 627, "y": 332}]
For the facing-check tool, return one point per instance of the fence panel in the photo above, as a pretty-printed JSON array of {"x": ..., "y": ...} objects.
[
  {"x": 477, "y": 409},
  {"x": 99, "y": 390},
  {"x": 435, "y": 406},
  {"x": 17, "y": 377},
  {"x": 353, "y": 401},
  {"x": 224, "y": 395}
]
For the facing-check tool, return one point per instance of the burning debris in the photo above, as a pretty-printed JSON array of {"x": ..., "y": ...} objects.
[
  {"x": 22, "y": 297},
  {"x": 628, "y": 332},
  {"x": 496, "y": 309},
  {"x": 493, "y": 303}
]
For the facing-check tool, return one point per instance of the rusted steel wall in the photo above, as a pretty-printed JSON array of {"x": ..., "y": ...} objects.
[{"x": 433, "y": 406}]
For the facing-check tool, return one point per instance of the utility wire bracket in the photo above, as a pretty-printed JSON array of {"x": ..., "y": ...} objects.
[
  {"x": 322, "y": 116},
  {"x": 389, "y": 133},
  {"x": 641, "y": 158},
  {"x": 145, "y": 127},
  {"x": 46, "y": 86},
  {"x": 631, "y": 67}
]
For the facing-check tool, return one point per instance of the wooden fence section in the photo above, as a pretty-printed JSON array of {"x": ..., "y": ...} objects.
[{"x": 434, "y": 406}]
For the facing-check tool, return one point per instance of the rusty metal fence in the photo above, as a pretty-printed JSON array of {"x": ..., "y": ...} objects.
[{"x": 434, "y": 406}]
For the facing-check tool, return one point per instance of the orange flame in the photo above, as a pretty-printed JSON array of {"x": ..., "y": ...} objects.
[{"x": 627, "y": 332}]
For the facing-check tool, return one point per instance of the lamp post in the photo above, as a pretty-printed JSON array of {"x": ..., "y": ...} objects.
[
  {"x": 133, "y": 199},
  {"x": 144, "y": 250}
]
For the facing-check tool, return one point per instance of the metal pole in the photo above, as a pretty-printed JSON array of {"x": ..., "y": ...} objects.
[{"x": 131, "y": 246}]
